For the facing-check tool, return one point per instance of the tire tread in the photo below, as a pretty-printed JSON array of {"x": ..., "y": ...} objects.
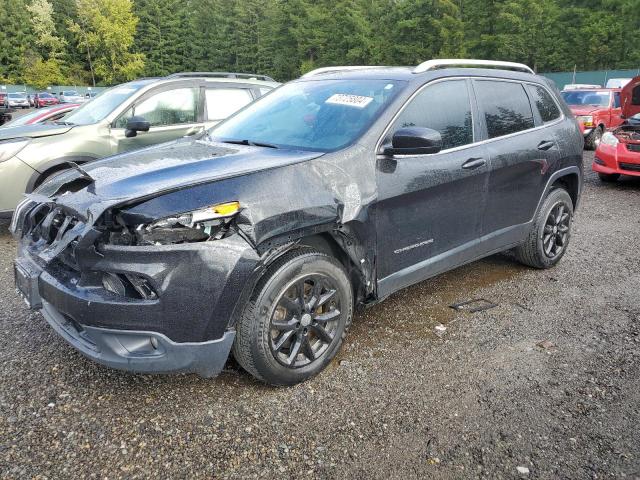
[{"x": 247, "y": 324}]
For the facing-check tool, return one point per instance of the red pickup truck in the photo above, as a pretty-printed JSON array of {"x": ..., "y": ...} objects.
[{"x": 596, "y": 109}]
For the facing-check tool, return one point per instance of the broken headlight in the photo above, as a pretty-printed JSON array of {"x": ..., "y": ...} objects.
[{"x": 210, "y": 223}]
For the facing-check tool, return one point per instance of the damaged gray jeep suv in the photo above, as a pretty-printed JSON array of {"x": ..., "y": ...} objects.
[{"x": 260, "y": 236}]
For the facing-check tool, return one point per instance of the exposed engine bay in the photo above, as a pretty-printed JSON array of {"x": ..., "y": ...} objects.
[{"x": 628, "y": 133}]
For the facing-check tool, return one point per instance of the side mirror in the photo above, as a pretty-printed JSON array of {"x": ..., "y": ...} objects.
[
  {"x": 414, "y": 141},
  {"x": 135, "y": 125}
]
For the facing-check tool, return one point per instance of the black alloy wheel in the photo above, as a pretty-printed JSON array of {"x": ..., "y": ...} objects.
[
  {"x": 305, "y": 321},
  {"x": 296, "y": 319},
  {"x": 556, "y": 231}
]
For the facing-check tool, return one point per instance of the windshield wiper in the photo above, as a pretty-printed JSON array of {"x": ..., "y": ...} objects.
[
  {"x": 68, "y": 124},
  {"x": 250, "y": 143}
]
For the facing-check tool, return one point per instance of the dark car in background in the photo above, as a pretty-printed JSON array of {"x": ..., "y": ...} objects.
[{"x": 262, "y": 235}]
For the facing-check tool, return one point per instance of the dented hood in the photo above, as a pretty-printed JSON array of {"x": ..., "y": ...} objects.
[
  {"x": 630, "y": 98},
  {"x": 146, "y": 173}
]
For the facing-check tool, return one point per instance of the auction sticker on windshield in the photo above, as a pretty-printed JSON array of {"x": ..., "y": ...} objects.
[{"x": 357, "y": 101}]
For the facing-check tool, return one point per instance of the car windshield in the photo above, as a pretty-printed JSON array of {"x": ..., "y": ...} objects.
[
  {"x": 587, "y": 97},
  {"x": 45, "y": 95},
  {"x": 70, "y": 93},
  {"x": 318, "y": 115},
  {"x": 102, "y": 105},
  {"x": 17, "y": 95}
]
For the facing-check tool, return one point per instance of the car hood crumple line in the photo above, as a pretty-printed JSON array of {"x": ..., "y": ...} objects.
[
  {"x": 140, "y": 175},
  {"x": 33, "y": 131}
]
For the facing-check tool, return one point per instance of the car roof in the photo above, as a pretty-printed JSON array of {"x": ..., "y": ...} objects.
[
  {"x": 140, "y": 83},
  {"x": 409, "y": 74}
]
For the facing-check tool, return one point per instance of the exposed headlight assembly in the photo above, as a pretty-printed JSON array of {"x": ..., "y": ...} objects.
[
  {"x": 10, "y": 148},
  {"x": 609, "y": 139},
  {"x": 210, "y": 223}
]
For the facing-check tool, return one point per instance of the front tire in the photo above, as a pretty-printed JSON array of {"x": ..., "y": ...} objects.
[
  {"x": 549, "y": 237},
  {"x": 296, "y": 319}
]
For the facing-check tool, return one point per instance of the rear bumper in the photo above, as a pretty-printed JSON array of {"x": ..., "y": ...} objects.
[{"x": 141, "y": 351}]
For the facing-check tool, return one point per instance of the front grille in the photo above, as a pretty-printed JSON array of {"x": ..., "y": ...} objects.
[
  {"x": 632, "y": 167},
  {"x": 633, "y": 147},
  {"x": 49, "y": 224},
  {"x": 52, "y": 233}
]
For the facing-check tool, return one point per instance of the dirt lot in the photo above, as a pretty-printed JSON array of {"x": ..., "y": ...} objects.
[{"x": 403, "y": 400}]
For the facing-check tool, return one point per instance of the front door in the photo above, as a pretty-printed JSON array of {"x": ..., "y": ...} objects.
[
  {"x": 430, "y": 206},
  {"x": 172, "y": 113}
]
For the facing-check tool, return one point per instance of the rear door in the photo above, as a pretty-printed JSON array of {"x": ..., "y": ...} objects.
[
  {"x": 522, "y": 148},
  {"x": 430, "y": 206}
]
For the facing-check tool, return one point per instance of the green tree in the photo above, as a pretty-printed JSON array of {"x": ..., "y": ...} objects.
[
  {"x": 105, "y": 31},
  {"x": 15, "y": 38},
  {"x": 41, "y": 64},
  {"x": 162, "y": 35}
]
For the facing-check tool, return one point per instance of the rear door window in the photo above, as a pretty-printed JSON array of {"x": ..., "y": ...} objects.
[
  {"x": 222, "y": 102},
  {"x": 505, "y": 107},
  {"x": 444, "y": 107},
  {"x": 542, "y": 100}
]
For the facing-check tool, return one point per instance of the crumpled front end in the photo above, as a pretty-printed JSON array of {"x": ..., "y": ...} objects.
[
  {"x": 139, "y": 307},
  {"x": 619, "y": 152}
]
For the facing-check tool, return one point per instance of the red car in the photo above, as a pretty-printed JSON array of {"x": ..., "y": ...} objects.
[
  {"x": 596, "y": 110},
  {"x": 44, "y": 99},
  {"x": 619, "y": 150},
  {"x": 49, "y": 114}
]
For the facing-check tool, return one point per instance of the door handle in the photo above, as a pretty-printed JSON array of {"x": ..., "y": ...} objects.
[
  {"x": 473, "y": 163},
  {"x": 545, "y": 145}
]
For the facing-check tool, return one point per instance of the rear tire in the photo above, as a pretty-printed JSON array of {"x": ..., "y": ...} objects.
[
  {"x": 609, "y": 177},
  {"x": 296, "y": 319},
  {"x": 549, "y": 237}
]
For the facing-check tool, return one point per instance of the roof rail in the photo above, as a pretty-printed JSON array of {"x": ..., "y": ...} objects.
[
  {"x": 248, "y": 76},
  {"x": 320, "y": 71},
  {"x": 465, "y": 62}
]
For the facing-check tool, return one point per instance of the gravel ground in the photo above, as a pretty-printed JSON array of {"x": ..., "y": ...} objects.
[{"x": 545, "y": 385}]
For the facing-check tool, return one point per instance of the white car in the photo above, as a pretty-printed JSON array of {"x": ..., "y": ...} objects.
[
  {"x": 17, "y": 100},
  {"x": 617, "y": 82},
  {"x": 71, "y": 96}
]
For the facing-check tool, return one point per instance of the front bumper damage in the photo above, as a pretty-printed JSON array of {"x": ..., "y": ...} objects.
[
  {"x": 185, "y": 326},
  {"x": 140, "y": 351}
]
